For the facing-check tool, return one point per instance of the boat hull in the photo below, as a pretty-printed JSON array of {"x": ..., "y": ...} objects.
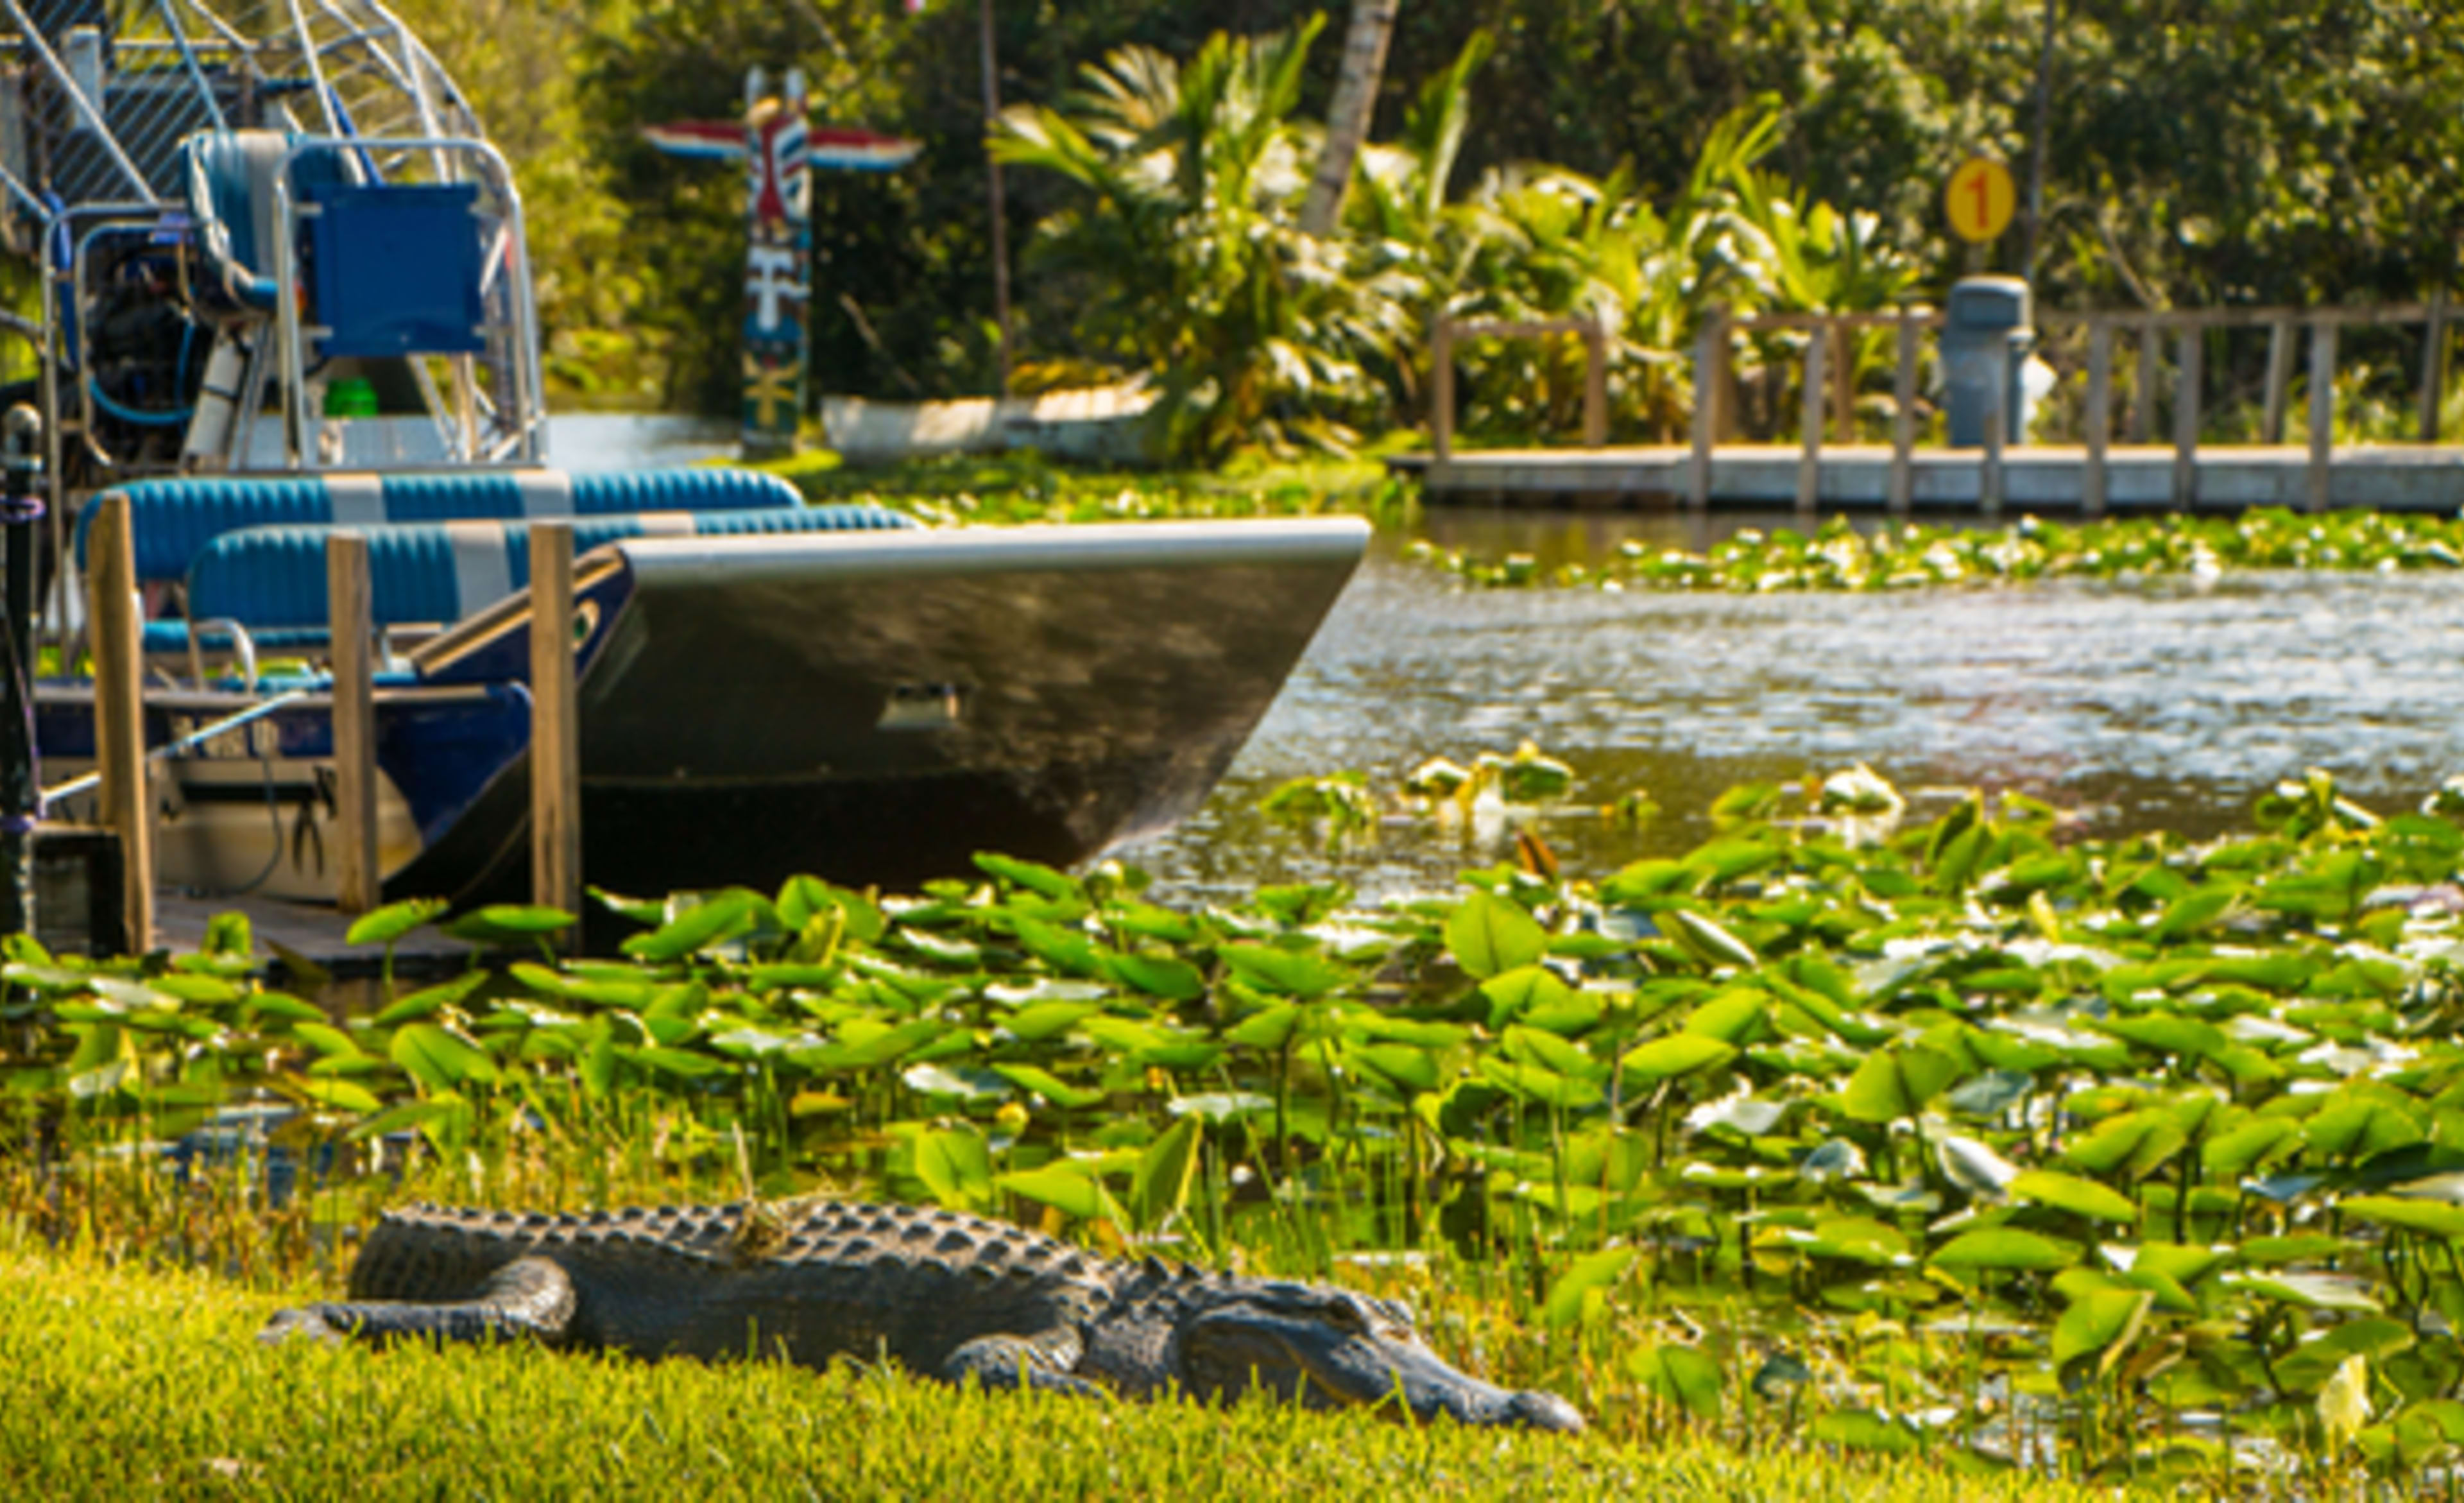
[{"x": 869, "y": 708}]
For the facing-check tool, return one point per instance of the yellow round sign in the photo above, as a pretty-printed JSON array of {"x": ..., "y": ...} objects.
[{"x": 1981, "y": 199}]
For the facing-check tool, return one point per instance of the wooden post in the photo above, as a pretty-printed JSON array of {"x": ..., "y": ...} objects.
[
  {"x": 120, "y": 712},
  {"x": 555, "y": 742},
  {"x": 2322, "y": 411},
  {"x": 2186, "y": 380},
  {"x": 1710, "y": 372},
  {"x": 1988, "y": 478},
  {"x": 1843, "y": 382},
  {"x": 2099, "y": 416},
  {"x": 1596, "y": 385},
  {"x": 1809, "y": 463},
  {"x": 359, "y": 884},
  {"x": 2280, "y": 377},
  {"x": 1903, "y": 419},
  {"x": 1442, "y": 390},
  {"x": 2144, "y": 390},
  {"x": 2433, "y": 364}
]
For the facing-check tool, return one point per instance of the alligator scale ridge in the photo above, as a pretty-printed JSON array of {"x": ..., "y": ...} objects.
[{"x": 947, "y": 1296}]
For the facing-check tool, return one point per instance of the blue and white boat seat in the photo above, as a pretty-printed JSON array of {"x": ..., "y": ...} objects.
[
  {"x": 172, "y": 520},
  {"x": 230, "y": 177},
  {"x": 271, "y": 579}
]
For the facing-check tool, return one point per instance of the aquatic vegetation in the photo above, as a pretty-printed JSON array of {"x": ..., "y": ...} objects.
[
  {"x": 1022, "y": 486},
  {"x": 2134, "y": 1157},
  {"x": 1848, "y": 555}
]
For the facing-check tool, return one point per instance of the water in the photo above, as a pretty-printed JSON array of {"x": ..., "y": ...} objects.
[
  {"x": 2165, "y": 703},
  {"x": 590, "y": 441}
]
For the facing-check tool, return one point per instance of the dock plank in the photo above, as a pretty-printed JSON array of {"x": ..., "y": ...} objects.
[{"x": 2040, "y": 477}]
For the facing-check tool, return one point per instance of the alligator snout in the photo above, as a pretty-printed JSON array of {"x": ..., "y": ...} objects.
[{"x": 1545, "y": 1411}]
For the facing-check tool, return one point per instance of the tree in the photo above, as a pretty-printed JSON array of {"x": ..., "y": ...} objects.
[{"x": 1347, "y": 119}]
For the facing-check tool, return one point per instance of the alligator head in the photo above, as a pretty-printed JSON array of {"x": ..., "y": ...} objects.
[{"x": 1330, "y": 1348}]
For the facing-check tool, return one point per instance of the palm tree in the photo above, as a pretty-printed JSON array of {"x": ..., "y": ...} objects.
[
  {"x": 1188, "y": 250},
  {"x": 1347, "y": 119}
]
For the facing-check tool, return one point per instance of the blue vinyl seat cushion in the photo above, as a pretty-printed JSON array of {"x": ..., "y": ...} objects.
[
  {"x": 172, "y": 520},
  {"x": 395, "y": 271},
  {"x": 274, "y": 578}
]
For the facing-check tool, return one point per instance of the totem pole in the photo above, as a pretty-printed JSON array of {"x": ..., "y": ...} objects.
[
  {"x": 779, "y": 244},
  {"x": 779, "y": 149}
]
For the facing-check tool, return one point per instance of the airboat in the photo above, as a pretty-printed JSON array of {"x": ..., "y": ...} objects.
[{"x": 272, "y": 283}]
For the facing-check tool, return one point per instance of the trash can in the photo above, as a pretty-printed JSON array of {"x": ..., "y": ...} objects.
[{"x": 1988, "y": 334}]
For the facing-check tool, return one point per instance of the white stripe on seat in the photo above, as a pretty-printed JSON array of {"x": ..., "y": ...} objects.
[
  {"x": 545, "y": 492},
  {"x": 483, "y": 564},
  {"x": 356, "y": 500},
  {"x": 665, "y": 524}
]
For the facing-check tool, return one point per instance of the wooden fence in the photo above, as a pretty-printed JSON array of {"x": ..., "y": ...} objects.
[{"x": 1828, "y": 388}]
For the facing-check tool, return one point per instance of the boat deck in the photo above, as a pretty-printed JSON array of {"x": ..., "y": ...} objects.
[{"x": 313, "y": 933}]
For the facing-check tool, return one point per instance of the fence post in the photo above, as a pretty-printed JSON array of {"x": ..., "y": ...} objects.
[
  {"x": 1844, "y": 381},
  {"x": 555, "y": 742},
  {"x": 1903, "y": 418},
  {"x": 1442, "y": 390},
  {"x": 2433, "y": 364},
  {"x": 2323, "y": 410},
  {"x": 120, "y": 712},
  {"x": 2152, "y": 374},
  {"x": 1988, "y": 479},
  {"x": 2099, "y": 414},
  {"x": 1809, "y": 463},
  {"x": 358, "y": 875},
  {"x": 1596, "y": 385},
  {"x": 2280, "y": 377},
  {"x": 1710, "y": 372},
  {"x": 2186, "y": 379}
]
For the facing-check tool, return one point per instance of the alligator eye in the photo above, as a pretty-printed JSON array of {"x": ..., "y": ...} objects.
[{"x": 1345, "y": 1315}]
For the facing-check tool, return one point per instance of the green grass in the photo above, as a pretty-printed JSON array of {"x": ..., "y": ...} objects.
[{"x": 119, "y": 1381}]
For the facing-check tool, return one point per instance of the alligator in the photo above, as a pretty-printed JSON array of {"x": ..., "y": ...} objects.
[{"x": 947, "y": 1296}]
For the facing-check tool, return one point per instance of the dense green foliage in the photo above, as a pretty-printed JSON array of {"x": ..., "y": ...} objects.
[
  {"x": 1952, "y": 1134},
  {"x": 2262, "y": 150}
]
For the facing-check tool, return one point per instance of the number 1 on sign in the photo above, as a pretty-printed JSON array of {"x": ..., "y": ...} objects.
[{"x": 1980, "y": 199}]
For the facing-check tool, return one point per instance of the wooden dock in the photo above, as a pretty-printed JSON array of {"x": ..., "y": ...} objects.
[
  {"x": 2115, "y": 465},
  {"x": 2045, "y": 478}
]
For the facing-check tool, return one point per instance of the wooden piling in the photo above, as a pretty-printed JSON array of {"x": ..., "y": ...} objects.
[
  {"x": 555, "y": 742},
  {"x": 359, "y": 872},
  {"x": 1809, "y": 463},
  {"x": 2189, "y": 377},
  {"x": 2098, "y": 417},
  {"x": 1903, "y": 419},
  {"x": 2322, "y": 411},
  {"x": 119, "y": 711}
]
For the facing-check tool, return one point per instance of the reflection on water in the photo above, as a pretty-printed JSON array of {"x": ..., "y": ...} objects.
[{"x": 2162, "y": 704}]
